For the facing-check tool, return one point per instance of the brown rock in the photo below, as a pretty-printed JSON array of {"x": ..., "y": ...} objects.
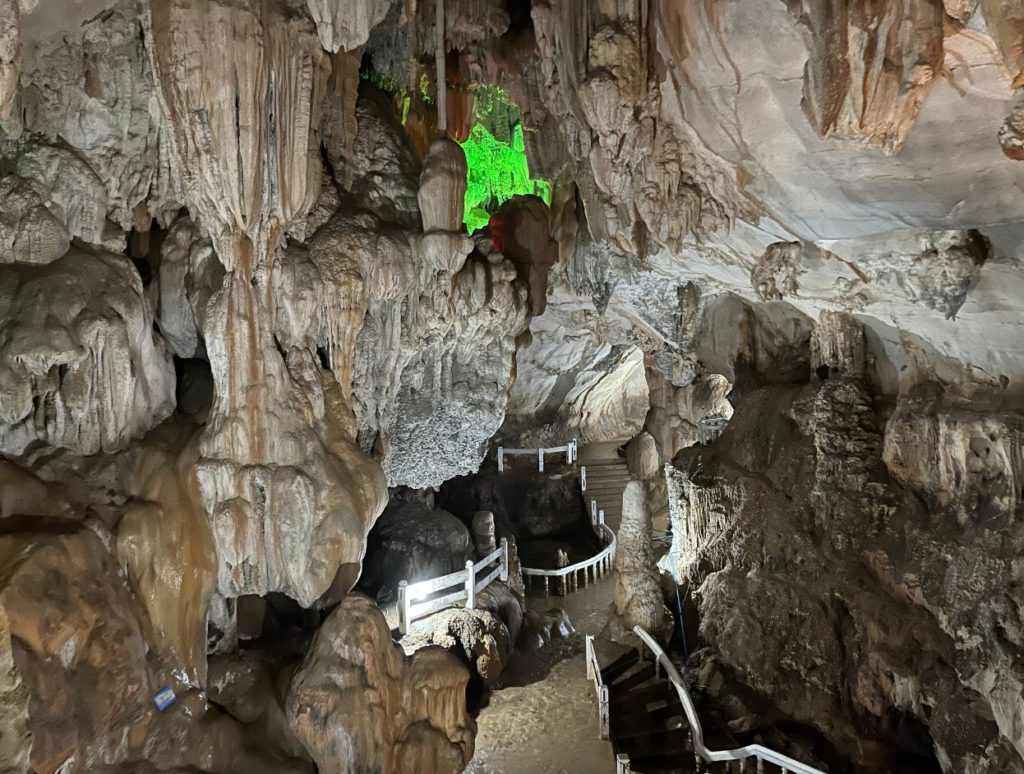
[{"x": 358, "y": 704}]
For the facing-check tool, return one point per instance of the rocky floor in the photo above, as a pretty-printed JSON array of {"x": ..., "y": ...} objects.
[{"x": 548, "y": 690}]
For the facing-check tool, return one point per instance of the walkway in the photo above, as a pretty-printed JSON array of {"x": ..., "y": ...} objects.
[{"x": 544, "y": 719}]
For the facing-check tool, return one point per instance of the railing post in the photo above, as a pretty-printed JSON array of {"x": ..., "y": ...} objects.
[
  {"x": 583, "y": 478},
  {"x": 600, "y": 517},
  {"x": 760, "y": 766},
  {"x": 403, "y": 607},
  {"x": 540, "y": 460},
  {"x": 590, "y": 657},
  {"x": 501, "y": 459},
  {"x": 470, "y": 585},
  {"x": 593, "y": 509},
  {"x": 622, "y": 764},
  {"x": 503, "y": 577}
]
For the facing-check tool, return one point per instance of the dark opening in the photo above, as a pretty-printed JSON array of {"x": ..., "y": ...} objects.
[
  {"x": 519, "y": 17},
  {"x": 325, "y": 359},
  {"x": 194, "y": 388},
  {"x": 144, "y": 250}
]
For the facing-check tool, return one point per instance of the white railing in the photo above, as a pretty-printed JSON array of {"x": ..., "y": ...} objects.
[
  {"x": 570, "y": 450},
  {"x": 594, "y": 675},
  {"x": 592, "y": 568},
  {"x": 701, "y": 751},
  {"x": 709, "y": 428},
  {"x": 436, "y": 593}
]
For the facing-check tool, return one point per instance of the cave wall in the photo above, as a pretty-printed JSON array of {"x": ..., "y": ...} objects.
[{"x": 840, "y": 582}]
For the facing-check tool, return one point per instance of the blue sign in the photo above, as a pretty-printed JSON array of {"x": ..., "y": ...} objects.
[{"x": 164, "y": 698}]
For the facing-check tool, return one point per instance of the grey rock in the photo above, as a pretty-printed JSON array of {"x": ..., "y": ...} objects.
[{"x": 80, "y": 363}]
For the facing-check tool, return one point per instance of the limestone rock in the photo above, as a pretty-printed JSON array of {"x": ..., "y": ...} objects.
[
  {"x": 432, "y": 404},
  {"x": 962, "y": 460},
  {"x": 522, "y": 234},
  {"x": 844, "y": 91},
  {"x": 343, "y": 25},
  {"x": 384, "y": 167},
  {"x": 29, "y": 233},
  {"x": 82, "y": 662},
  {"x": 483, "y": 533},
  {"x": 81, "y": 365},
  {"x": 277, "y": 455},
  {"x": 72, "y": 190},
  {"x": 358, "y": 703},
  {"x": 166, "y": 546},
  {"x": 477, "y": 636},
  {"x": 837, "y": 345},
  {"x": 340, "y": 124},
  {"x": 1005, "y": 21},
  {"x": 189, "y": 276},
  {"x": 87, "y": 88},
  {"x": 803, "y": 550},
  {"x": 642, "y": 457},
  {"x": 632, "y": 164},
  {"x": 10, "y": 54},
  {"x": 144, "y": 503}
]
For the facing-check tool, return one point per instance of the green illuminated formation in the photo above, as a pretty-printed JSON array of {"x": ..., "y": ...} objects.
[
  {"x": 497, "y": 167},
  {"x": 495, "y": 149}
]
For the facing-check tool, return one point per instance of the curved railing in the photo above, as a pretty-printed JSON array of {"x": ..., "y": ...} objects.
[
  {"x": 756, "y": 751},
  {"x": 596, "y": 566}
]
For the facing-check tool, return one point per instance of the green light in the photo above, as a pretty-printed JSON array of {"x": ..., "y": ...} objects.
[{"x": 497, "y": 171}]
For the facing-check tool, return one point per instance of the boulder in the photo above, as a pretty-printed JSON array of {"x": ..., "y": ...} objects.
[{"x": 413, "y": 542}]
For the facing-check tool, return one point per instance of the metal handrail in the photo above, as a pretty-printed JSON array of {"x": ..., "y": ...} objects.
[{"x": 714, "y": 756}]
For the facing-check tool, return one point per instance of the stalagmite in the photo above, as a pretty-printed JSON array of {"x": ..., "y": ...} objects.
[{"x": 637, "y": 595}]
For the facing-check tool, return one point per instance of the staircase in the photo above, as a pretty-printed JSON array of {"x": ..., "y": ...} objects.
[
  {"x": 607, "y": 477},
  {"x": 646, "y": 719}
]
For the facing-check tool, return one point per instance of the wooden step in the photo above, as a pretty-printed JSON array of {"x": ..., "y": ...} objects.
[
  {"x": 639, "y": 697},
  {"x": 669, "y": 743},
  {"x": 671, "y": 711},
  {"x": 661, "y": 764},
  {"x": 640, "y": 674},
  {"x": 675, "y": 722},
  {"x": 619, "y": 666}
]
